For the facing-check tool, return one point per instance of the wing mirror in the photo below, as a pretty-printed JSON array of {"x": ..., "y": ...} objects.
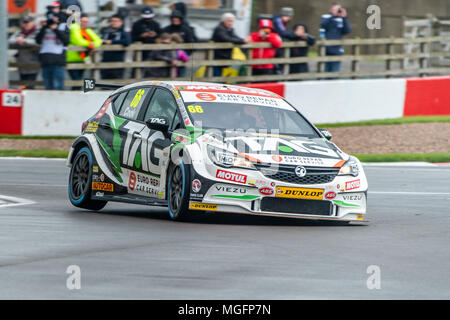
[
  {"x": 327, "y": 134},
  {"x": 159, "y": 124}
]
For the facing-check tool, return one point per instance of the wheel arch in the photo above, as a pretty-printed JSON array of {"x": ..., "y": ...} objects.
[{"x": 77, "y": 145}]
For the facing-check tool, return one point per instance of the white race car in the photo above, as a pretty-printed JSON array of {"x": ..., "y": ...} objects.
[{"x": 195, "y": 146}]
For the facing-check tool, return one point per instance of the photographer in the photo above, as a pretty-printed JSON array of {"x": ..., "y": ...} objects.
[
  {"x": 53, "y": 38},
  {"x": 265, "y": 34},
  {"x": 335, "y": 25}
]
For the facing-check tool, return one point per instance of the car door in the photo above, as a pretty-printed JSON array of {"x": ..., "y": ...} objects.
[{"x": 155, "y": 145}]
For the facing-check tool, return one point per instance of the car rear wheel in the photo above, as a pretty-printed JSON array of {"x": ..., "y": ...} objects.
[
  {"x": 80, "y": 180},
  {"x": 177, "y": 191}
]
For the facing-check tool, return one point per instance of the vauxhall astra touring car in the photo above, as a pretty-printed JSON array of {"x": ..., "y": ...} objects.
[{"x": 193, "y": 146}]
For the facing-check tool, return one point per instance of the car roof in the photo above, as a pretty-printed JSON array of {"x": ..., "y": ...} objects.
[{"x": 174, "y": 84}]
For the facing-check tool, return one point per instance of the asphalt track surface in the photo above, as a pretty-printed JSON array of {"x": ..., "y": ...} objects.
[{"x": 136, "y": 252}]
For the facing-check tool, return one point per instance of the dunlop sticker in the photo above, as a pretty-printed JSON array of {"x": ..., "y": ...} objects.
[
  {"x": 299, "y": 193},
  {"x": 202, "y": 206}
]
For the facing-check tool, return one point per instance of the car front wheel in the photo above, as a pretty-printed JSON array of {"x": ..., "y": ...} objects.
[{"x": 178, "y": 191}]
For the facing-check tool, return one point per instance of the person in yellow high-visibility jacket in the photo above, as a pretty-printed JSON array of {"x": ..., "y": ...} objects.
[{"x": 83, "y": 36}]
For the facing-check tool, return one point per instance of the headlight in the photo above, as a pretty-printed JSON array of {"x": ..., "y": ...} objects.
[
  {"x": 228, "y": 159},
  {"x": 350, "y": 168}
]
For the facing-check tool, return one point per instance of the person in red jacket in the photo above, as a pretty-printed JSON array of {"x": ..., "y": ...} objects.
[{"x": 265, "y": 34}]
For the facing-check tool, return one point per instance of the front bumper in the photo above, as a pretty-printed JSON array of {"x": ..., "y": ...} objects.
[{"x": 250, "y": 192}]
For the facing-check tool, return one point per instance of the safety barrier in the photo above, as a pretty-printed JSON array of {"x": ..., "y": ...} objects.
[{"x": 63, "y": 112}]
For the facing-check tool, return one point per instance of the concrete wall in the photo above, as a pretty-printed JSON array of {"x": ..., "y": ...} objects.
[{"x": 58, "y": 112}]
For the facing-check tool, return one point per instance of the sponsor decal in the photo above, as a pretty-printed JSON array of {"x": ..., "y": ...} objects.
[
  {"x": 352, "y": 185},
  {"x": 132, "y": 181},
  {"x": 158, "y": 120},
  {"x": 92, "y": 127},
  {"x": 231, "y": 176},
  {"x": 266, "y": 191},
  {"x": 95, "y": 177},
  {"x": 101, "y": 186},
  {"x": 202, "y": 206},
  {"x": 277, "y": 158},
  {"x": 228, "y": 89},
  {"x": 197, "y": 196},
  {"x": 206, "y": 96},
  {"x": 95, "y": 169},
  {"x": 359, "y": 216},
  {"x": 352, "y": 197},
  {"x": 330, "y": 195},
  {"x": 99, "y": 194},
  {"x": 102, "y": 177},
  {"x": 231, "y": 189},
  {"x": 299, "y": 193},
  {"x": 196, "y": 186}
]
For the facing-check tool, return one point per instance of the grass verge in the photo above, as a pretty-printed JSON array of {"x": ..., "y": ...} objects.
[
  {"x": 404, "y": 120},
  {"x": 14, "y": 137},
  {"x": 38, "y": 153},
  {"x": 405, "y": 157},
  {"x": 387, "y": 157}
]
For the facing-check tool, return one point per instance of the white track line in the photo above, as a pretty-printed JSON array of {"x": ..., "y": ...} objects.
[
  {"x": 7, "y": 201},
  {"x": 412, "y": 193},
  {"x": 34, "y": 159}
]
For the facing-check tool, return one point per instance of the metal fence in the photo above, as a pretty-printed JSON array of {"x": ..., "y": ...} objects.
[{"x": 392, "y": 62}]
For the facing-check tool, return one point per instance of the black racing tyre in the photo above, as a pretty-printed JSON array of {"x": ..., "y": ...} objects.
[
  {"x": 80, "y": 180},
  {"x": 178, "y": 191}
]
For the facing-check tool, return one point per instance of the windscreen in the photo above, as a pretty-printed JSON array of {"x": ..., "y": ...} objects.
[{"x": 232, "y": 116}]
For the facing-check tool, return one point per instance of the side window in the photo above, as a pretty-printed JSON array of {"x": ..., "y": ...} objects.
[
  {"x": 177, "y": 122},
  {"x": 162, "y": 104},
  {"x": 133, "y": 103},
  {"x": 118, "y": 101}
]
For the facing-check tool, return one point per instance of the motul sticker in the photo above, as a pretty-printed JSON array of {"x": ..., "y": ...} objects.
[
  {"x": 351, "y": 185},
  {"x": 231, "y": 176}
]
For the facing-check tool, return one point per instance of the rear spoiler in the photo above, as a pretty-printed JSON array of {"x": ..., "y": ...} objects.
[{"x": 91, "y": 84}]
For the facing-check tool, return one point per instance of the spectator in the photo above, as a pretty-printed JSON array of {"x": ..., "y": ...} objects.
[
  {"x": 114, "y": 34},
  {"x": 55, "y": 9},
  {"x": 146, "y": 30},
  {"x": 224, "y": 32},
  {"x": 280, "y": 23},
  {"x": 53, "y": 38},
  {"x": 180, "y": 55},
  {"x": 335, "y": 25},
  {"x": 181, "y": 7},
  {"x": 169, "y": 56},
  {"x": 177, "y": 26},
  {"x": 83, "y": 36},
  {"x": 265, "y": 34},
  {"x": 26, "y": 37},
  {"x": 301, "y": 32}
]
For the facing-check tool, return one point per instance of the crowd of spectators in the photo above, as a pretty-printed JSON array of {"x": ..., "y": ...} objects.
[{"x": 55, "y": 34}]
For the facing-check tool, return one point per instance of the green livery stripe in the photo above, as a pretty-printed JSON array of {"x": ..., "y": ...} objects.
[
  {"x": 237, "y": 197},
  {"x": 345, "y": 204}
]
